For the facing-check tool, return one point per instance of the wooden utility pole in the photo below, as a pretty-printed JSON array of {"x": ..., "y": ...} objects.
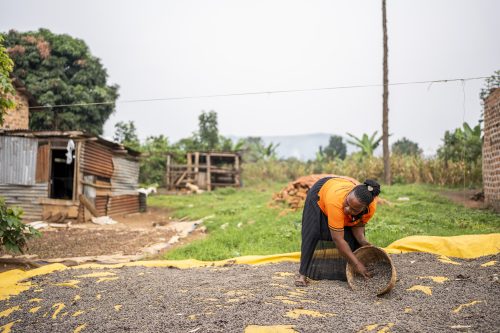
[{"x": 385, "y": 103}]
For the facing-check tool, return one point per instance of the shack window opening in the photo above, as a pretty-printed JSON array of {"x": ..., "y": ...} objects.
[{"x": 62, "y": 176}]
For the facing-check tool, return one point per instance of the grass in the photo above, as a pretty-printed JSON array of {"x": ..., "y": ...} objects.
[{"x": 245, "y": 222}]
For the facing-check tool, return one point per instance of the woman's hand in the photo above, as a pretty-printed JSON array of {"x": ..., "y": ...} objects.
[
  {"x": 361, "y": 269},
  {"x": 364, "y": 243}
]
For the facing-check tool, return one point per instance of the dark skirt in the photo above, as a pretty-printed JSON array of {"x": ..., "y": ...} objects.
[{"x": 319, "y": 259}]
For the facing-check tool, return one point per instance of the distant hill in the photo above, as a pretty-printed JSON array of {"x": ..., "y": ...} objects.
[{"x": 303, "y": 147}]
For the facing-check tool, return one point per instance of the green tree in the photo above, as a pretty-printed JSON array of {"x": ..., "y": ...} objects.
[
  {"x": 208, "y": 133},
  {"x": 6, "y": 88},
  {"x": 269, "y": 152},
  {"x": 336, "y": 148},
  {"x": 187, "y": 144},
  {"x": 254, "y": 149},
  {"x": 320, "y": 155},
  {"x": 13, "y": 232},
  {"x": 492, "y": 82},
  {"x": 226, "y": 144},
  {"x": 60, "y": 70},
  {"x": 405, "y": 146},
  {"x": 462, "y": 144},
  {"x": 366, "y": 143},
  {"x": 126, "y": 134},
  {"x": 154, "y": 160}
]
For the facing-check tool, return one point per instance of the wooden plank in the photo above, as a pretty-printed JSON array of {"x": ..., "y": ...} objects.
[
  {"x": 237, "y": 169},
  {"x": 209, "y": 174},
  {"x": 100, "y": 186},
  {"x": 86, "y": 202},
  {"x": 42, "y": 163},
  {"x": 180, "y": 178},
  {"x": 167, "y": 173},
  {"x": 189, "y": 163},
  {"x": 196, "y": 167}
]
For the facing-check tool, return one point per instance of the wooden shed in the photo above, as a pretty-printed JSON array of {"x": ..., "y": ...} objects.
[
  {"x": 50, "y": 173},
  {"x": 207, "y": 170}
]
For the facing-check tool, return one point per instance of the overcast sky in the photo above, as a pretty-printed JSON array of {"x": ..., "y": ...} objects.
[{"x": 162, "y": 49}]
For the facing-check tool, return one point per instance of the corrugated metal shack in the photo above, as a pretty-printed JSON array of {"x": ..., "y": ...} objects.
[
  {"x": 207, "y": 170},
  {"x": 57, "y": 174}
]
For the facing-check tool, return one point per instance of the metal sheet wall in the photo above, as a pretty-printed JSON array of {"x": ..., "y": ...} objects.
[
  {"x": 27, "y": 198},
  {"x": 101, "y": 205},
  {"x": 18, "y": 160},
  {"x": 125, "y": 179},
  {"x": 97, "y": 160},
  {"x": 124, "y": 204}
]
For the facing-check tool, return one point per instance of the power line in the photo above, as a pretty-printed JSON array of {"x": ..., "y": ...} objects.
[{"x": 256, "y": 93}]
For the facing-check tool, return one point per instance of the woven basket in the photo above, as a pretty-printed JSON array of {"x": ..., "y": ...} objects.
[{"x": 367, "y": 255}]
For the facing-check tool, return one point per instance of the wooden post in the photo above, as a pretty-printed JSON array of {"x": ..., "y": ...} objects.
[
  {"x": 196, "y": 168},
  {"x": 77, "y": 187},
  {"x": 167, "y": 173},
  {"x": 237, "y": 170},
  {"x": 189, "y": 166},
  {"x": 385, "y": 102},
  {"x": 209, "y": 174}
]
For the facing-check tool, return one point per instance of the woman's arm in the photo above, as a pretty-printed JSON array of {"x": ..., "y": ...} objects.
[
  {"x": 359, "y": 234},
  {"x": 345, "y": 251}
]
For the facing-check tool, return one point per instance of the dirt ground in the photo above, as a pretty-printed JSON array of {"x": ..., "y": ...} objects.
[
  {"x": 429, "y": 296},
  {"x": 463, "y": 197},
  {"x": 133, "y": 233}
]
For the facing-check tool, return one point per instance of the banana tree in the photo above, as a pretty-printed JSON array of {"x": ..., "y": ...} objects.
[{"x": 366, "y": 143}]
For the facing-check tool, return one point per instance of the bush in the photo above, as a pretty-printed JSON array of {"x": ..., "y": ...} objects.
[{"x": 13, "y": 232}]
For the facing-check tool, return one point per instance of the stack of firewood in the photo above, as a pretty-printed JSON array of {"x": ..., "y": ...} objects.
[{"x": 295, "y": 193}]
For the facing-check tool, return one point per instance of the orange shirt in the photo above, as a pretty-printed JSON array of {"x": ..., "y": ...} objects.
[{"x": 331, "y": 201}]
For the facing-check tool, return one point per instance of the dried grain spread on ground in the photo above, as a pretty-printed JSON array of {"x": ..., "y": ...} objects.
[{"x": 434, "y": 293}]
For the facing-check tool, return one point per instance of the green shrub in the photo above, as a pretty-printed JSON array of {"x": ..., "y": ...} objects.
[
  {"x": 13, "y": 232},
  {"x": 405, "y": 170}
]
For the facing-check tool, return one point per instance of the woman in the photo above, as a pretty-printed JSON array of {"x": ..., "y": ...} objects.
[{"x": 336, "y": 208}]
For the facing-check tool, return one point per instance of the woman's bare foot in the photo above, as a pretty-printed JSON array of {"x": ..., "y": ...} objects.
[{"x": 300, "y": 281}]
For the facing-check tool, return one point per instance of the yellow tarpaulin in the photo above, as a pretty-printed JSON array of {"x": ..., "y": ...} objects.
[{"x": 465, "y": 247}]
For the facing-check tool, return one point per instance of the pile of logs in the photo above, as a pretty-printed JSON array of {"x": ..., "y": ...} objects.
[{"x": 295, "y": 193}]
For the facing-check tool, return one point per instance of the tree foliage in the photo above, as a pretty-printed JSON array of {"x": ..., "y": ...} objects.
[
  {"x": 6, "y": 88},
  {"x": 462, "y": 144},
  {"x": 366, "y": 143},
  {"x": 60, "y": 70},
  {"x": 405, "y": 146},
  {"x": 207, "y": 137},
  {"x": 208, "y": 131},
  {"x": 154, "y": 160},
  {"x": 254, "y": 149},
  {"x": 227, "y": 144},
  {"x": 126, "y": 134},
  {"x": 336, "y": 148},
  {"x": 13, "y": 232},
  {"x": 491, "y": 83}
]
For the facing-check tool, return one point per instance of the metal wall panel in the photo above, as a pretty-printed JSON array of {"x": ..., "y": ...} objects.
[
  {"x": 18, "y": 160},
  {"x": 124, "y": 204},
  {"x": 97, "y": 160},
  {"x": 101, "y": 205},
  {"x": 27, "y": 198},
  {"x": 125, "y": 178}
]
